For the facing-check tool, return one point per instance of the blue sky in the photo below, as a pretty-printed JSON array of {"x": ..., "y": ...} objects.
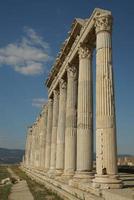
[{"x": 31, "y": 34}]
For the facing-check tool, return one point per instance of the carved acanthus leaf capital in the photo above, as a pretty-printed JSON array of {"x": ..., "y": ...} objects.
[
  {"x": 63, "y": 84},
  {"x": 84, "y": 51},
  {"x": 50, "y": 101},
  {"x": 103, "y": 23},
  {"x": 45, "y": 109},
  {"x": 72, "y": 71},
  {"x": 56, "y": 93}
]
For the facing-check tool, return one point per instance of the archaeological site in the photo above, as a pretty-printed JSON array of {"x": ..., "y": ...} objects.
[{"x": 59, "y": 145}]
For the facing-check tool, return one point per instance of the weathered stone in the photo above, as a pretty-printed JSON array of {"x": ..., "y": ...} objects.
[{"x": 67, "y": 140}]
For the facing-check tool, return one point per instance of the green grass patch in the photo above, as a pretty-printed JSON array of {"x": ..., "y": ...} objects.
[{"x": 5, "y": 189}]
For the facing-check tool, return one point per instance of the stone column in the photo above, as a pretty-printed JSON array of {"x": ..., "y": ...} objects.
[
  {"x": 54, "y": 131},
  {"x": 61, "y": 128},
  {"x": 29, "y": 146},
  {"x": 37, "y": 147},
  {"x": 70, "y": 133},
  {"x": 106, "y": 151},
  {"x": 26, "y": 148},
  {"x": 85, "y": 114},
  {"x": 33, "y": 145},
  {"x": 49, "y": 133},
  {"x": 44, "y": 131},
  {"x": 32, "y": 150},
  {"x": 41, "y": 141},
  {"x": 41, "y": 129}
]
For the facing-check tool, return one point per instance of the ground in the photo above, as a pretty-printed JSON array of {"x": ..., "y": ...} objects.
[
  {"x": 4, "y": 190},
  {"x": 38, "y": 191}
]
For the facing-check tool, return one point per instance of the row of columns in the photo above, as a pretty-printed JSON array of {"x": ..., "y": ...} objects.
[{"x": 66, "y": 135}]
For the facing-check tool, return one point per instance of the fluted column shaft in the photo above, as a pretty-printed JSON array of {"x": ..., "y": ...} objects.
[
  {"x": 106, "y": 150},
  {"x": 85, "y": 112},
  {"x": 31, "y": 150},
  {"x": 33, "y": 146},
  {"x": 54, "y": 130},
  {"x": 70, "y": 133},
  {"x": 43, "y": 140},
  {"x": 29, "y": 147},
  {"x": 61, "y": 128},
  {"x": 37, "y": 146},
  {"x": 26, "y": 148},
  {"x": 49, "y": 133}
]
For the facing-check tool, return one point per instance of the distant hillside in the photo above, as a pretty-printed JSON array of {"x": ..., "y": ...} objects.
[
  {"x": 14, "y": 156},
  {"x": 10, "y": 156}
]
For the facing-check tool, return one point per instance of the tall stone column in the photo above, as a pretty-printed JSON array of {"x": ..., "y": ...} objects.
[
  {"x": 34, "y": 146},
  {"x": 85, "y": 114},
  {"x": 31, "y": 154},
  {"x": 26, "y": 148},
  {"x": 70, "y": 133},
  {"x": 54, "y": 131},
  {"x": 29, "y": 146},
  {"x": 61, "y": 128},
  {"x": 106, "y": 150},
  {"x": 33, "y": 149},
  {"x": 37, "y": 146},
  {"x": 43, "y": 141},
  {"x": 49, "y": 133}
]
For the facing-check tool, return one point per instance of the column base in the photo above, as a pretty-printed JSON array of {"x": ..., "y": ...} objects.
[
  {"x": 45, "y": 170},
  {"x": 107, "y": 182},
  {"x": 66, "y": 176},
  {"x": 41, "y": 172},
  {"x": 58, "y": 172},
  {"x": 51, "y": 173},
  {"x": 81, "y": 177},
  {"x": 84, "y": 175}
]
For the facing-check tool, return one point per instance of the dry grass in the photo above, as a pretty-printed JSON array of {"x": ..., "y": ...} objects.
[
  {"x": 6, "y": 189},
  {"x": 39, "y": 191}
]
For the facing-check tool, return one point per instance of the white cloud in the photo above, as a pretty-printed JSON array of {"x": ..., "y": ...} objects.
[
  {"x": 32, "y": 69},
  {"x": 27, "y": 56},
  {"x": 38, "y": 102}
]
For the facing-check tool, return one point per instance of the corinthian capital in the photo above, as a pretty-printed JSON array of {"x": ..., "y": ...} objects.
[
  {"x": 56, "y": 93},
  {"x": 84, "y": 51},
  {"x": 45, "y": 108},
  {"x": 50, "y": 101},
  {"x": 103, "y": 23},
  {"x": 72, "y": 71},
  {"x": 63, "y": 84}
]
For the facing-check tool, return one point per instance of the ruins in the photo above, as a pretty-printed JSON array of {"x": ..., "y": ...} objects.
[{"x": 59, "y": 145}]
